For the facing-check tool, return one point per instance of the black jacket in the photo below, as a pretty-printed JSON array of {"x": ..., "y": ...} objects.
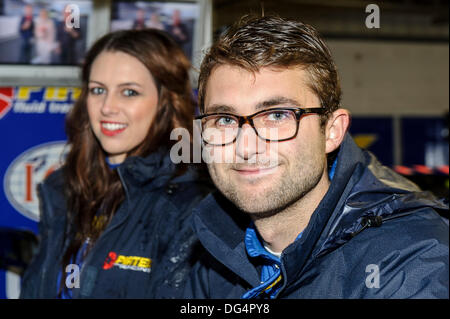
[
  {"x": 152, "y": 223},
  {"x": 374, "y": 235}
]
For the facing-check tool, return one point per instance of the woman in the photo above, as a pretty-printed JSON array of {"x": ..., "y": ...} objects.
[
  {"x": 44, "y": 34},
  {"x": 115, "y": 218}
]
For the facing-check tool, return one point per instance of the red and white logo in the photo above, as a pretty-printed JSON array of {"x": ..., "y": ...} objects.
[
  {"x": 6, "y": 99},
  {"x": 27, "y": 171}
]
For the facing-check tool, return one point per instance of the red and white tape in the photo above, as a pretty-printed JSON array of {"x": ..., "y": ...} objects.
[{"x": 422, "y": 169}]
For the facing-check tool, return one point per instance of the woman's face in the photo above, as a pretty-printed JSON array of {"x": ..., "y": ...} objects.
[
  {"x": 121, "y": 103},
  {"x": 43, "y": 14}
]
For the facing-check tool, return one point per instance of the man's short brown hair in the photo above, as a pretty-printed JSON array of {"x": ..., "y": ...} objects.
[{"x": 256, "y": 42}]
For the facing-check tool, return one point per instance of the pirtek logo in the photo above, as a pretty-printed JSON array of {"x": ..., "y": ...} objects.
[{"x": 127, "y": 262}]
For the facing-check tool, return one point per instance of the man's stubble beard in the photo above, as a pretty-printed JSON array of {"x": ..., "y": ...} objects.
[{"x": 286, "y": 190}]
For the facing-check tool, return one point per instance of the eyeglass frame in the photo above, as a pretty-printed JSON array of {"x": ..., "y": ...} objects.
[{"x": 298, "y": 111}]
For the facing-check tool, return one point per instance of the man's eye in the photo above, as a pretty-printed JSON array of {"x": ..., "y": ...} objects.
[
  {"x": 96, "y": 90},
  {"x": 130, "y": 92},
  {"x": 225, "y": 121},
  {"x": 277, "y": 116}
]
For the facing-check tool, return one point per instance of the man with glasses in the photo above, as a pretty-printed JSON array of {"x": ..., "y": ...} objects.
[{"x": 301, "y": 211}]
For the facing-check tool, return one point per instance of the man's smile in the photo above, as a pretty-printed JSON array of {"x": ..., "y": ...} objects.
[{"x": 256, "y": 171}]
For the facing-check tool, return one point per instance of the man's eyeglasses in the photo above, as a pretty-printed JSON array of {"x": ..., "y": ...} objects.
[{"x": 274, "y": 125}]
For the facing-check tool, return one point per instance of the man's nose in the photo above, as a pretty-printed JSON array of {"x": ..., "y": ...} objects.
[{"x": 248, "y": 143}]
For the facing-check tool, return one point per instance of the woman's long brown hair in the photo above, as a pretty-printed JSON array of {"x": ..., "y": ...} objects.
[{"x": 94, "y": 191}]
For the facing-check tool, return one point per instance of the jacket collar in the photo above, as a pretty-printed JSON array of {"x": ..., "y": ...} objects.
[
  {"x": 350, "y": 165},
  {"x": 221, "y": 228},
  {"x": 156, "y": 169},
  {"x": 141, "y": 170}
]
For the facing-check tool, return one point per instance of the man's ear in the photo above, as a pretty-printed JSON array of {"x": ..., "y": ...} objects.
[{"x": 335, "y": 130}]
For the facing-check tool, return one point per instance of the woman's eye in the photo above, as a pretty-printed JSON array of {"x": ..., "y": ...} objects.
[
  {"x": 96, "y": 90},
  {"x": 130, "y": 92}
]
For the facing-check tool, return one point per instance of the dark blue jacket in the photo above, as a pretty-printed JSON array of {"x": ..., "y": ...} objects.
[
  {"x": 153, "y": 223},
  {"x": 374, "y": 235}
]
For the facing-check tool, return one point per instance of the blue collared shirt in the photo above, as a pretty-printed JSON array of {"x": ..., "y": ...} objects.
[
  {"x": 271, "y": 265},
  {"x": 270, "y": 270},
  {"x": 111, "y": 165}
]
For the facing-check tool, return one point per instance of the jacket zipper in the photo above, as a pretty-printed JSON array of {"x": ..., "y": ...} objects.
[{"x": 44, "y": 271}]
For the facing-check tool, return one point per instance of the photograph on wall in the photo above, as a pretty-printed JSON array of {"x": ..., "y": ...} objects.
[
  {"x": 43, "y": 32},
  {"x": 176, "y": 18}
]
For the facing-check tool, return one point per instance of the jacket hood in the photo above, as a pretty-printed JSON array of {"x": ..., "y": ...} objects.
[
  {"x": 379, "y": 195},
  {"x": 361, "y": 188}
]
